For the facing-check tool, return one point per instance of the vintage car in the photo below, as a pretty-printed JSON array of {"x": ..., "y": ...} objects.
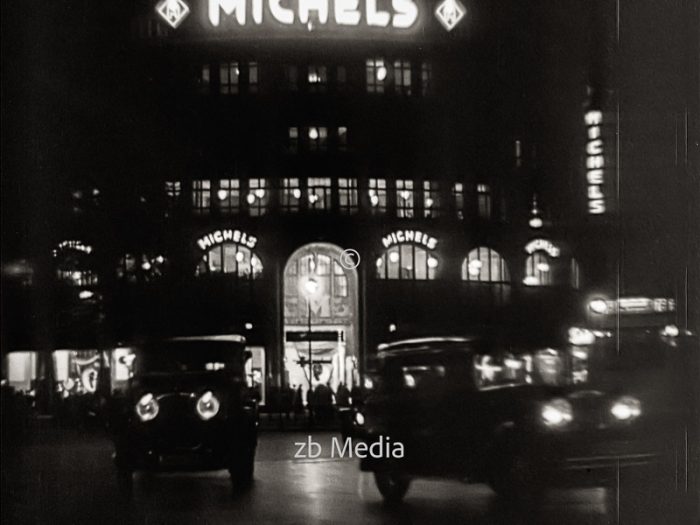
[
  {"x": 186, "y": 407},
  {"x": 520, "y": 418}
]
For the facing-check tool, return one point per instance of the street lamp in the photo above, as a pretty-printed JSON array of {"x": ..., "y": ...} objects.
[{"x": 311, "y": 287}]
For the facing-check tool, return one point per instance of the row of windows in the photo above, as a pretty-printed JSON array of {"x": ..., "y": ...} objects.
[
  {"x": 399, "y": 76},
  {"x": 406, "y": 198},
  {"x": 402, "y": 262}
]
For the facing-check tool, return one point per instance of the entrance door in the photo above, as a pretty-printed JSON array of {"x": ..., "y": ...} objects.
[{"x": 320, "y": 319}]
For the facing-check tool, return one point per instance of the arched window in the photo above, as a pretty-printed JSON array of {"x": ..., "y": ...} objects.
[
  {"x": 486, "y": 266},
  {"x": 133, "y": 268},
  {"x": 318, "y": 266},
  {"x": 407, "y": 262},
  {"x": 232, "y": 259},
  {"x": 74, "y": 264},
  {"x": 538, "y": 270},
  {"x": 575, "y": 275}
]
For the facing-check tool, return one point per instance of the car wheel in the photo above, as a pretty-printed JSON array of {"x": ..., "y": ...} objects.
[
  {"x": 242, "y": 472},
  {"x": 392, "y": 486}
]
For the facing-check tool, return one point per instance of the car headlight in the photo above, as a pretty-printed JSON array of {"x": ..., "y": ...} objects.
[
  {"x": 626, "y": 408},
  {"x": 598, "y": 306},
  {"x": 670, "y": 330},
  {"x": 557, "y": 413},
  {"x": 147, "y": 407},
  {"x": 359, "y": 419},
  {"x": 581, "y": 336},
  {"x": 368, "y": 383},
  {"x": 207, "y": 406}
]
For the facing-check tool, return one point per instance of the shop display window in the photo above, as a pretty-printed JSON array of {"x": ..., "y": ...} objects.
[
  {"x": 407, "y": 262},
  {"x": 77, "y": 371},
  {"x": 231, "y": 259},
  {"x": 538, "y": 270},
  {"x": 485, "y": 265}
]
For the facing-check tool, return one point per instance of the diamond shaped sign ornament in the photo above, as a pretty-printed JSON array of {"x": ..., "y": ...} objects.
[
  {"x": 450, "y": 13},
  {"x": 173, "y": 12}
]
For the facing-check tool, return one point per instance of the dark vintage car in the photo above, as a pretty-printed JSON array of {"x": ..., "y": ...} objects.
[
  {"x": 516, "y": 417},
  {"x": 186, "y": 407}
]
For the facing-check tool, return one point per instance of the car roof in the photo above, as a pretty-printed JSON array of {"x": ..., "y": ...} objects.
[
  {"x": 426, "y": 345},
  {"x": 229, "y": 338}
]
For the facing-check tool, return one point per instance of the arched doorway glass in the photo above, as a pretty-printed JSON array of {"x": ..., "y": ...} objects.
[{"x": 320, "y": 314}]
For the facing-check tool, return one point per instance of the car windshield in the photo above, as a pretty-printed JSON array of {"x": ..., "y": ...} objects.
[{"x": 189, "y": 356}]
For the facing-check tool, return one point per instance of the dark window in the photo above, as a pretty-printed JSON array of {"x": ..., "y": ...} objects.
[{"x": 426, "y": 78}]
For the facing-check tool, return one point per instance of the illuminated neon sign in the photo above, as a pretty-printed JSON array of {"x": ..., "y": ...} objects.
[
  {"x": 413, "y": 236},
  {"x": 543, "y": 245},
  {"x": 78, "y": 246},
  {"x": 218, "y": 237},
  {"x": 595, "y": 162}
]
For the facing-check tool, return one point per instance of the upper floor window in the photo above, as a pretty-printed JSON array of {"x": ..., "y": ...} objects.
[
  {"x": 204, "y": 79},
  {"x": 538, "y": 270},
  {"x": 291, "y": 195},
  {"x": 229, "y": 78},
  {"x": 402, "y": 76},
  {"x": 484, "y": 200},
  {"x": 575, "y": 275},
  {"x": 293, "y": 139},
  {"x": 172, "y": 191},
  {"x": 318, "y": 138},
  {"x": 317, "y": 79},
  {"x": 252, "y": 77},
  {"x": 376, "y": 71},
  {"x": 201, "y": 196},
  {"x": 426, "y": 78},
  {"x": 232, "y": 259},
  {"x": 404, "y": 199},
  {"x": 229, "y": 196},
  {"x": 347, "y": 196},
  {"x": 407, "y": 262},
  {"x": 485, "y": 265},
  {"x": 291, "y": 77},
  {"x": 341, "y": 78},
  {"x": 319, "y": 193},
  {"x": 342, "y": 136},
  {"x": 258, "y": 197},
  {"x": 377, "y": 195},
  {"x": 458, "y": 199},
  {"x": 431, "y": 199}
]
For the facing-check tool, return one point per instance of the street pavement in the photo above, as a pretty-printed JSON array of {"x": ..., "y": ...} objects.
[{"x": 69, "y": 479}]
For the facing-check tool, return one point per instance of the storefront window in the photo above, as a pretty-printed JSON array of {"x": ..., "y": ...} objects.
[
  {"x": 319, "y": 193},
  {"x": 458, "y": 199},
  {"x": 229, "y": 196},
  {"x": 291, "y": 195},
  {"x": 258, "y": 197},
  {"x": 232, "y": 259},
  {"x": 201, "y": 196},
  {"x": 347, "y": 196},
  {"x": 376, "y": 75},
  {"x": 402, "y": 76},
  {"x": 538, "y": 270},
  {"x": 431, "y": 199},
  {"x": 134, "y": 268},
  {"x": 404, "y": 199},
  {"x": 485, "y": 265},
  {"x": 407, "y": 262},
  {"x": 377, "y": 196},
  {"x": 74, "y": 264},
  {"x": 317, "y": 79},
  {"x": 77, "y": 371},
  {"x": 21, "y": 368}
]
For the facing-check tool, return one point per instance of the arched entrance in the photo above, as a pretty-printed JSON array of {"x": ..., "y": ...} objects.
[{"x": 320, "y": 315}]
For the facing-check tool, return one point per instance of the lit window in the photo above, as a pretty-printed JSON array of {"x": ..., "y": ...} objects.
[
  {"x": 204, "y": 79},
  {"x": 257, "y": 197},
  {"x": 232, "y": 259},
  {"x": 172, "y": 191},
  {"x": 575, "y": 275},
  {"x": 319, "y": 193},
  {"x": 340, "y": 281},
  {"x": 347, "y": 196},
  {"x": 486, "y": 266},
  {"x": 317, "y": 79},
  {"x": 201, "y": 196},
  {"x": 229, "y": 78},
  {"x": 140, "y": 268},
  {"x": 318, "y": 138},
  {"x": 407, "y": 262},
  {"x": 404, "y": 199},
  {"x": 431, "y": 199},
  {"x": 484, "y": 200},
  {"x": 342, "y": 138},
  {"x": 377, "y": 196},
  {"x": 458, "y": 199},
  {"x": 518, "y": 146},
  {"x": 426, "y": 78},
  {"x": 291, "y": 195},
  {"x": 376, "y": 75},
  {"x": 74, "y": 266},
  {"x": 538, "y": 270},
  {"x": 253, "y": 77},
  {"x": 291, "y": 77},
  {"x": 293, "y": 139},
  {"x": 228, "y": 196},
  {"x": 402, "y": 76}
]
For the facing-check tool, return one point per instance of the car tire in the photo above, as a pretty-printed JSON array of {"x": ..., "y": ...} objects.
[
  {"x": 393, "y": 486},
  {"x": 242, "y": 473}
]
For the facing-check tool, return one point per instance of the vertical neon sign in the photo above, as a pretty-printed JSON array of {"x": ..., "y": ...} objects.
[{"x": 595, "y": 162}]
